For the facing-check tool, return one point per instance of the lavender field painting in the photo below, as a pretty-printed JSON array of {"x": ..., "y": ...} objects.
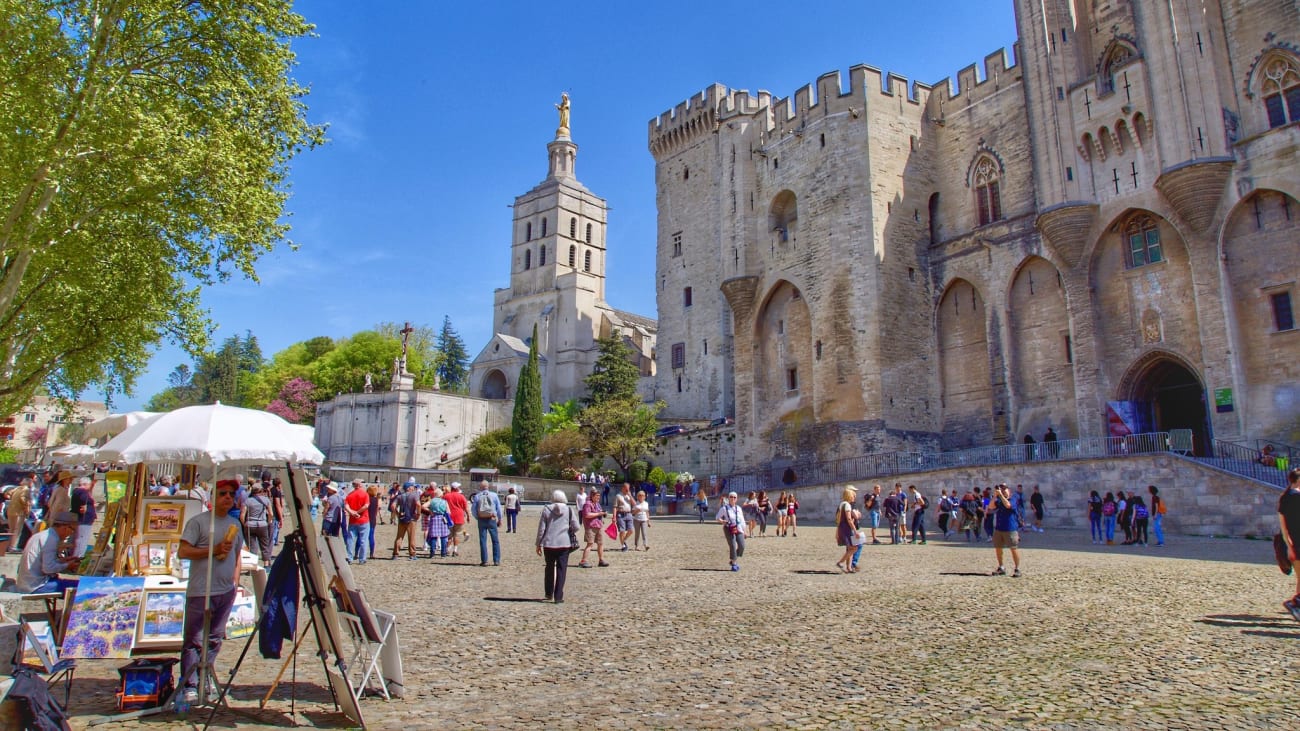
[{"x": 103, "y": 618}]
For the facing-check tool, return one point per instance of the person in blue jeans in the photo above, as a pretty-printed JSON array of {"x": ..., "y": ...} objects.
[
  {"x": 1157, "y": 514},
  {"x": 357, "y": 507},
  {"x": 486, "y": 507}
]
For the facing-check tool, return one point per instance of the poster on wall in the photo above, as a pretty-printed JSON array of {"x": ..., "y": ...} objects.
[{"x": 1125, "y": 418}]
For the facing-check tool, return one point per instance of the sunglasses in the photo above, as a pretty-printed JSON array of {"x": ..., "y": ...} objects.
[{"x": 221, "y": 493}]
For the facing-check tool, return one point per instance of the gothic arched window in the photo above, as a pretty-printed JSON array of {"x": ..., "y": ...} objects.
[
  {"x": 573, "y": 255},
  {"x": 543, "y": 227},
  {"x": 589, "y": 233},
  {"x": 541, "y": 259},
  {"x": 1281, "y": 91},
  {"x": 528, "y": 259},
  {"x": 1118, "y": 55},
  {"x": 988, "y": 196},
  {"x": 586, "y": 261},
  {"x": 1143, "y": 237},
  {"x": 528, "y": 231},
  {"x": 573, "y": 228}
]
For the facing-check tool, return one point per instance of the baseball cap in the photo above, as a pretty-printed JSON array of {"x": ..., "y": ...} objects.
[
  {"x": 456, "y": 485},
  {"x": 66, "y": 518}
]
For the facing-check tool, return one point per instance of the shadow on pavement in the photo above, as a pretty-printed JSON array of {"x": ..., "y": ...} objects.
[
  {"x": 963, "y": 573},
  {"x": 725, "y": 571},
  {"x": 826, "y": 572},
  {"x": 514, "y": 599},
  {"x": 1247, "y": 620}
]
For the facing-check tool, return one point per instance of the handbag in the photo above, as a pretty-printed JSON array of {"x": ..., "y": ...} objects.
[
  {"x": 734, "y": 528},
  {"x": 573, "y": 533},
  {"x": 859, "y": 538},
  {"x": 611, "y": 530}
]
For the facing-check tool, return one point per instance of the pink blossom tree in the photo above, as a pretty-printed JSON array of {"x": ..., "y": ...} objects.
[{"x": 294, "y": 402}]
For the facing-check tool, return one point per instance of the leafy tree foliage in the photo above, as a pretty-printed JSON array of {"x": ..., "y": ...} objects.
[
  {"x": 489, "y": 450},
  {"x": 36, "y": 436},
  {"x": 526, "y": 426},
  {"x": 562, "y": 416},
  {"x": 562, "y": 450},
  {"x": 657, "y": 475},
  {"x": 144, "y": 152},
  {"x": 453, "y": 360},
  {"x": 227, "y": 375},
  {"x": 622, "y": 429},
  {"x": 421, "y": 355},
  {"x": 295, "y": 403},
  {"x": 614, "y": 376}
]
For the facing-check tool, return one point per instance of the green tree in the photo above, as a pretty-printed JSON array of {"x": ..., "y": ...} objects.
[
  {"x": 561, "y": 450},
  {"x": 421, "y": 352},
  {"x": 453, "y": 360},
  {"x": 144, "y": 154},
  {"x": 562, "y": 416},
  {"x": 526, "y": 426},
  {"x": 657, "y": 475},
  {"x": 491, "y": 449},
  {"x": 344, "y": 369},
  {"x": 614, "y": 376},
  {"x": 622, "y": 429}
]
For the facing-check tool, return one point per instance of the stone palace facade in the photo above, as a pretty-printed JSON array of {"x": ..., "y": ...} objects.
[{"x": 1101, "y": 237}]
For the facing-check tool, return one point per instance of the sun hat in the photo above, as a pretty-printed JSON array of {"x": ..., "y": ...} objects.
[
  {"x": 64, "y": 475},
  {"x": 66, "y": 517}
]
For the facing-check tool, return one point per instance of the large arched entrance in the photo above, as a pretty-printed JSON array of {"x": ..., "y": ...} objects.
[
  {"x": 495, "y": 385},
  {"x": 1166, "y": 395}
]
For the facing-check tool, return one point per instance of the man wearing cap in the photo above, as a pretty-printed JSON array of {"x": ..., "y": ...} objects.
[
  {"x": 408, "y": 517},
  {"x": 332, "y": 525},
  {"x": 43, "y": 561},
  {"x": 212, "y": 584},
  {"x": 458, "y": 509}
]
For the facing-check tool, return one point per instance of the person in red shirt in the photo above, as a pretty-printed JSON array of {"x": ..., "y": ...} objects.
[
  {"x": 357, "y": 507},
  {"x": 458, "y": 508}
]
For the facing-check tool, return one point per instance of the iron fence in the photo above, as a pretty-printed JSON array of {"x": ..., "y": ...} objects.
[{"x": 1247, "y": 462}]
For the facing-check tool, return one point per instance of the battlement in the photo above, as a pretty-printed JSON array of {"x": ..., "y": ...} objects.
[
  {"x": 971, "y": 87},
  {"x": 700, "y": 115}
]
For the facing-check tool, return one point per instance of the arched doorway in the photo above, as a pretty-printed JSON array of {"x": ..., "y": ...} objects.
[
  {"x": 495, "y": 386},
  {"x": 1166, "y": 395}
]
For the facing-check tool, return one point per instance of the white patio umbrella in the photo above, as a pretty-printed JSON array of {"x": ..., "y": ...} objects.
[
  {"x": 71, "y": 453},
  {"x": 115, "y": 424},
  {"x": 211, "y": 435}
]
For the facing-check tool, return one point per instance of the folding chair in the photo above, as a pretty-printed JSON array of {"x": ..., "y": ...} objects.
[
  {"x": 40, "y": 638},
  {"x": 367, "y": 645}
]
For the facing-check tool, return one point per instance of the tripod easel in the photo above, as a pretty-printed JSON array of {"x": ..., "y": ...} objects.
[{"x": 299, "y": 543}]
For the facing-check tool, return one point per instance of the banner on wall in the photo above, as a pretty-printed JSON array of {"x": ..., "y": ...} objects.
[{"x": 1124, "y": 418}]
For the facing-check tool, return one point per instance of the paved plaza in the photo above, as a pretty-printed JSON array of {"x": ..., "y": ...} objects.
[{"x": 1189, "y": 636}]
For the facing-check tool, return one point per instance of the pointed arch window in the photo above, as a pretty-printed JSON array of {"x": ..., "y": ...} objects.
[
  {"x": 988, "y": 193},
  {"x": 586, "y": 261},
  {"x": 573, "y": 228},
  {"x": 1281, "y": 91},
  {"x": 528, "y": 259},
  {"x": 1143, "y": 237},
  {"x": 573, "y": 256},
  {"x": 543, "y": 227},
  {"x": 528, "y": 231},
  {"x": 1117, "y": 56},
  {"x": 541, "y": 258},
  {"x": 589, "y": 233}
]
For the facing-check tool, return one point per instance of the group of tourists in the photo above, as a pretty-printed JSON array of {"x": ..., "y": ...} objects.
[{"x": 1132, "y": 513}]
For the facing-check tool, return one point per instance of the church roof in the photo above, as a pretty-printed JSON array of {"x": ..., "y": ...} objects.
[
  {"x": 632, "y": 319},
  {"x": 515, "y": 349}
]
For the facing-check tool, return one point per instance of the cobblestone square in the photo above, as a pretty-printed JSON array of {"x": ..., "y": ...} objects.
[{"x": 1189, "y": 636}]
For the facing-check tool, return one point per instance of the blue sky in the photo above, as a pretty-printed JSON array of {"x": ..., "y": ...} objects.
[{"x": 440, "y": 113}]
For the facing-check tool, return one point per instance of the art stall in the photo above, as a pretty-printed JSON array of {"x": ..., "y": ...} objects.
[{"x": 130, "y": 598}]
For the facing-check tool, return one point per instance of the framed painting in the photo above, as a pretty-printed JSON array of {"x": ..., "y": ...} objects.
[
  {"x": 162, "y": 619},
  {"x": 38, "y": 644},
  {"x": 243, "y": 616},
  {"x": 154, "y": 557},
  {"x": 103, "y": 617},
  {"x": 163, "y": 519}
]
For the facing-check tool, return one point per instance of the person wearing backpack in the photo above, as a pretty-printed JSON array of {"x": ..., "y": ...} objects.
[
  {"x": 1158, "y": 509},
  {"x": 1094, "y": 516},
  {"x": 408, "y": 513},
  {"x": 1141, "y": 519},
  {"x": 487, "y": 508},
  {"x": 1109, "y": 511}
]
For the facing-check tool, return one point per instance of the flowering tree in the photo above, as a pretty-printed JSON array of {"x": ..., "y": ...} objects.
[{"x": 295, "y": 403}]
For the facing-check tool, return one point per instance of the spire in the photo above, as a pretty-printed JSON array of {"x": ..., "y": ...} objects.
[{"x": 563, "y": 153}]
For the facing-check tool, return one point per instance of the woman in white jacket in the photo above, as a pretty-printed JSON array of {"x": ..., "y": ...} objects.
[{"x": 557, "y": 532}]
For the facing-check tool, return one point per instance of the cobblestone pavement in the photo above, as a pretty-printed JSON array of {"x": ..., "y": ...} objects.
[{"x": 1189, "y": 636}]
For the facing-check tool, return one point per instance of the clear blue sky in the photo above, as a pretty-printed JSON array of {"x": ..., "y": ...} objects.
[{"x": 440, "y": 113}]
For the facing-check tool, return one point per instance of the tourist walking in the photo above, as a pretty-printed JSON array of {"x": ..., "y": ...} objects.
[
  {"x": 1288, "y": 516},
  {"x": 641, "y": 521},
  {"x": 750, "y": 508},
  {"x": 486, "y": 507},
  {"x": 1006, "y": 529},
  {"x": 873, "y": 506},
  {"x": 557, "y": 533},
  {"x": 918, "y": 504},
  {"x": 1095, "y": 504},
  {"x": 792, "y": 515},
  {"x": 893, "y": 515},
  {"x": 846, "y": 527},
  {"x": 732, "y": 519},
  {"x": 945, "y": 505},
  {"x": 512, "y": 505},
  {"x": 761, "y": 511},
  {"x": 702, "y": 503},
  {"x": 458, "y": 509},
  {"x": 335, "y": 514},
  {"x": 436, "y": 521},
  {"x": 1158, "y": 509},
  {"x": 408, "y": 514},
  {"x": 257, "y": 524},
  {"x": 781, "y": 513},
  {"x": 357, "y": 507},
  {"x": 972, "y": 516},
  {"x": 593, "y": 531},
  {"x": 1036, "y": 502},
  {"x": 623, "y": 514}
]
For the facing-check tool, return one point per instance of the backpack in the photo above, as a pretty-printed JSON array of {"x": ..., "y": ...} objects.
[
  {"x": 1108, "y": 509},
  {"x": 484, "y": 509},
  {"x": 1160, "y": 506},
  {"x": 1140, "y": 512}
]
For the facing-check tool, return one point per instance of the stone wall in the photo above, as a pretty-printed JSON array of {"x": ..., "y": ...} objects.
[
  {"x": 1201, "y": 500},
  {"x": 404, "y": 428}
]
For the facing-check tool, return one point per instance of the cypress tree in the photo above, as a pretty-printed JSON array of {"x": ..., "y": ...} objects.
[{"x": 526, "y": 427}]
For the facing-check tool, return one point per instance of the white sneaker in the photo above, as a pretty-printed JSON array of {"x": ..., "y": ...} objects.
[{"x": 191, "y": 696}]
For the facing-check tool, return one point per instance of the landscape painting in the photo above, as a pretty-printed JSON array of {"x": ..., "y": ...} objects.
[
  {"x": 103, "y": 617},
  {"x": 162, "y": 619}
]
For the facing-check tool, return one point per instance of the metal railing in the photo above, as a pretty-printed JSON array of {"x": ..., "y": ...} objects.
[
  {"x": 1247, "y": 462},
  {"x": 889, "y": 464}
]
